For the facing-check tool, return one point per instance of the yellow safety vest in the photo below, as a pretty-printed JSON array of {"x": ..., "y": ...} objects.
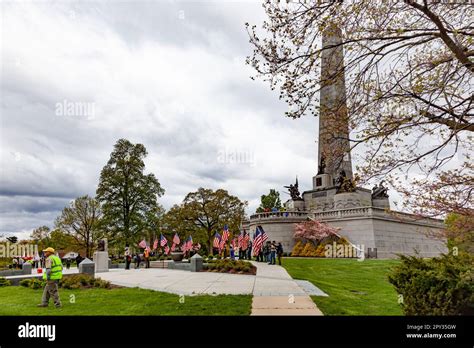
[{"x": 56, "y": 268}]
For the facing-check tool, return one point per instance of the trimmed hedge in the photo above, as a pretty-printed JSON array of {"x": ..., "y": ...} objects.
[
  {"x": 77, "y": 281},
  {"x": 439, "y": 286},
  {"x": 231, "y": 266},
  {"x": 32, "y": 283}
]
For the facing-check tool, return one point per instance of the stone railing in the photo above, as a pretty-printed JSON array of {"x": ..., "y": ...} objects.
[
  {"x": 340, "y": 213},
  {"x": 374, "y": 212},
  {"x": 279, "y": 214},
  {"x": 345, "y": 213}
]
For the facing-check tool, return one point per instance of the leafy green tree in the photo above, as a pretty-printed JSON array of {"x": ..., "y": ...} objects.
[
  {"x": 41, "y": 236},
  {"x": 153, "y": 223},
  {"x": 60, "y": 240},
  {"x": 128, "y": 195},
  {"x": 459, "y": 232},
  {"x": 270, "y": 201},
  {"x": 205, "y": 212},
  {"x": 81, "y": 220}
]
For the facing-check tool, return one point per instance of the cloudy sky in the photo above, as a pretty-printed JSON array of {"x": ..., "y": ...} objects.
[{"x": 76, "y": 77}]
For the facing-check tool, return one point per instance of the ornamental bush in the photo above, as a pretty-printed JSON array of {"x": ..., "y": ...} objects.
[
  {"x": 297, "y": 249},
  {"x": 4, "y": 282},
  {"x": 231, "y": 266},
  {"x": 32, "y": 283},
  {"x": 439, "y": 286},
  {"x": 78, "y": 281}
]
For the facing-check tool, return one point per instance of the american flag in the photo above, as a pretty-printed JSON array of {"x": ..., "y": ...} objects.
[
  {"x": 259, "y": 239},
  {"x": 167, "y": 249},
  {"x": 225, "y": 236},
  {"x": 173, "y": 247},
  {"x": 142, "y": 244},
  {"x": 245, "y": 241},
  {"x": 225, "y": 233},
  {"x": 155, "y": 244},
  {"x": 163, "y": 241},
  {"x": 217, "y": 240},
  {"x": 264, "y": 235},
  {"x": 189, "y": 243},
  {"x": 176, "y": 239},
  {"x": 240, "y": 240}
]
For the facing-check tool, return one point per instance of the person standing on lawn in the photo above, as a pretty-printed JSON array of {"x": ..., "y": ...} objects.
[
  {"x": 52, "y": 274},
  {"x": 279, "y": 252},
  {"x": 272, "y": 253}
]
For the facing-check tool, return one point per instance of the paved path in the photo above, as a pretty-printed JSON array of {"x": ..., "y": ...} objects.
[
  {"x": 181, "y": 282},
  {"x": 274, "y": 291}
]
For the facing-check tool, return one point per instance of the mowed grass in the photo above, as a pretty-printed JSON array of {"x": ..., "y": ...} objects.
[
  {"x": 17, "y": 300},
  {"x": 354, "y": 287}
]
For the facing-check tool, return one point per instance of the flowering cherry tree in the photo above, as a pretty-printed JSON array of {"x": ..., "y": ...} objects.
[{"x": 314, "y": 231}]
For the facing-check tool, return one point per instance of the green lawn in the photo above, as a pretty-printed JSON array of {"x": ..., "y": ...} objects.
[
  {"x": 17, "y": 300},
  {"x": 354, "y": 287}
]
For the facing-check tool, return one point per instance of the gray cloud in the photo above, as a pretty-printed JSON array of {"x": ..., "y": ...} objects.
[{"x": 170, "y": 75}]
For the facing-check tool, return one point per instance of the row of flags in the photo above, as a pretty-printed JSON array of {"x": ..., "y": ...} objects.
[
  {"x": 242, "y": 241},
  {"x": 163, "y": 242}
]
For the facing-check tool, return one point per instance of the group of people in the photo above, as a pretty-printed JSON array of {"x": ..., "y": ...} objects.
[
  {"x": 136, "y": 258},
  {"x": 36, "y": 262},
  {"x": 270, "y": 252}
]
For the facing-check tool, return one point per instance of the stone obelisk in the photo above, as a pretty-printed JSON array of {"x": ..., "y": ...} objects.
[{"x": 334, "y": 148}]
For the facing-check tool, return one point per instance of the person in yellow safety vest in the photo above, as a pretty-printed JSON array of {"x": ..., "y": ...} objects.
[{"x": 52, "y": 275}]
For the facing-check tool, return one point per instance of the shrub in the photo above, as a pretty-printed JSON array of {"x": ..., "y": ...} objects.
[
  {"x": 210, "y": 256},
  {"x": 231, "y": 266},
  {"x": 4, "y": 282},
  {"x": 439, "y": 286},
  {"x": 297, "y": 249},
  {"x": 78, "y": 281},
  {"x": 32, "y": 283},
  {"x": 308, "y": 250},
  {"x": 25, "y": 283}
]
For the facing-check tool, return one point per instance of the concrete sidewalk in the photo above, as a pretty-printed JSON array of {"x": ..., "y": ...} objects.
[
  {"x": 181, "y": 282},
  {"x": 274, "y": 291}
]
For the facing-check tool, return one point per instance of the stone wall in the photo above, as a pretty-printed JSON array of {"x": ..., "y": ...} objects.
[
  {"x": 395, "y": 237},
  {"x": 373, "y": 227},
  {"x": 278, "y": 226}
]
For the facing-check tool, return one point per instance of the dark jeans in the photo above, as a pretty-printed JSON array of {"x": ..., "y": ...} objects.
[
  {"x": 272, "y": 260},
  {"x": 127, "y": 263},
  {"x": 147, "y": 263},
  {"x": 279, "y": 258}
]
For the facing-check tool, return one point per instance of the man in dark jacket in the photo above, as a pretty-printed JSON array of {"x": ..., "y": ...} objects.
[{"x": 279, "y": 252}]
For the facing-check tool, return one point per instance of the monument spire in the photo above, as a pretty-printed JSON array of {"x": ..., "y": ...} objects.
[{"x": 334, "y": 148}]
